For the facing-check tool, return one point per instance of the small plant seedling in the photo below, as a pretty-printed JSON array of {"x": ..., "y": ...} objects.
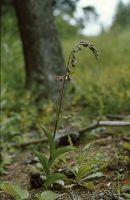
[
  {"x": 15, "y": 191},
  {"x": 86, "y": 168},
  {"x": 56, "y": 152}
]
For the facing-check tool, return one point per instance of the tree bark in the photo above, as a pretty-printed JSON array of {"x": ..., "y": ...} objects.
[{"x": 41, "y": 45}]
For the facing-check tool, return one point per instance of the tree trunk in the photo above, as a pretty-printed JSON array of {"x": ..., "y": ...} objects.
[{"x": 41, "y": 45}]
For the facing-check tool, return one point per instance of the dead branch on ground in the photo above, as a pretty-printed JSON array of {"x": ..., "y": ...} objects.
[{"x": 79, "y": 132}]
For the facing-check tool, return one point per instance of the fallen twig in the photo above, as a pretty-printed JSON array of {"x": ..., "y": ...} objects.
[
  {"x": 81, "y": 131},
  {"x": 104, "y": 123},
  {"x": 117, "y": 117}
]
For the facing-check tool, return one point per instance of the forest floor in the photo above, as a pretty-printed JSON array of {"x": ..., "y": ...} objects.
[
  {"x": 96, "y": 89},
  {"x": 110, "y": 180}
]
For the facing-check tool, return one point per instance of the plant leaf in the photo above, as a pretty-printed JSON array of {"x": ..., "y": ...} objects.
[
  {"x": 58, "y": 152},
  {"x": 44, "y": 161},
  {"x": 126, "y": 146},
  {"x": 95, "y": 175},
  {"x": 14, "y": 191},
  {"x": 48, "y": 195},
  {"x": 70, "y": 141},
  {"x": 126, "y": 195},
  {"x": 89, "y": 185},
  {"x": 51, "y": 139},
  {"x": 53, "y": 178},
  {"x": 83, "y": 170}
]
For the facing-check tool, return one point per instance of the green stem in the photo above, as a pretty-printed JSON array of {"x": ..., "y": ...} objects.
[
  {"x": 60, "y": 102},
  {"x": 62, "y": 94}
]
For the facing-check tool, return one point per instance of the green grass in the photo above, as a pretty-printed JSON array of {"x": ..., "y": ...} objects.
[{"x": 98, "y": 88}]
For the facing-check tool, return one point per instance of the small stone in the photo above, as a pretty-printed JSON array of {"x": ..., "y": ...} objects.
[{"x": 36, "y": 181}]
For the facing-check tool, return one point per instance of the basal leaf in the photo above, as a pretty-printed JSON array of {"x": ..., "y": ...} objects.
[
  {"x": 95, "y": 175},
  {"x": 89, "y": 185},
  {"x": 51, "y": 139},
  {"x": 48, "y": 195},
  {"x": 126, "y": 146},
  {"x": 83, "y": 170},
  {"x": 58, "y": 152},
  {"x": 44, "y": 161},
  {"x": 14, "y": 191},
  {"x": 53, "y": 178}
]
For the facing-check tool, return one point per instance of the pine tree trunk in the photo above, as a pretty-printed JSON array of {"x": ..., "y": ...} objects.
[{"x": 41, "y": 45}]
